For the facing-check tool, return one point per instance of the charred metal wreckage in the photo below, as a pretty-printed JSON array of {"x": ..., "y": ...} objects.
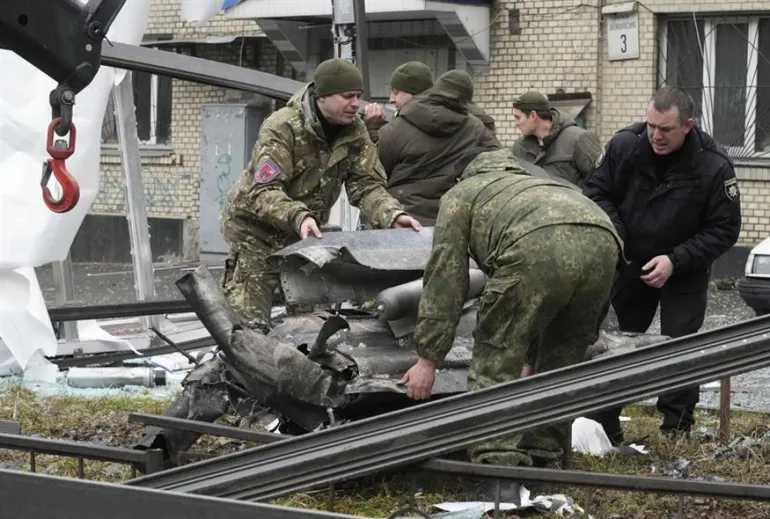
[{"x": 338, "y": 364}]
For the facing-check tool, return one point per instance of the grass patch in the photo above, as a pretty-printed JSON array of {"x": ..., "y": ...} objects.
[
  {"x": 101, "y": 421},
  {"x": 104, "y": 421},
  {"x": 698, "y": 456}
]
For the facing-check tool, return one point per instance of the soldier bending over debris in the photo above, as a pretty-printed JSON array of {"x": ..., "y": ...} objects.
[{"x": 550, "y": 255}]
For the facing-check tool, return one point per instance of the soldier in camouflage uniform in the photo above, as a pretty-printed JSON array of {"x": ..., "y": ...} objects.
[
  {"x": 303, "y": 154},
  {"x": 550, "y": 256}
]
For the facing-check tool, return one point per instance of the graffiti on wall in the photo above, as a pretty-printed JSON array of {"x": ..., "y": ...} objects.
[
  {"x": 224, "y": 168},
  {"x": 164, "y": 194}
]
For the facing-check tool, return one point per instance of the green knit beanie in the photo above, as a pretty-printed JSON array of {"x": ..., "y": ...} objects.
[
  {"x": 532, "y": 100},
  {"x": 337, "y": 75},
  {"x": 412, "y": 77},
  {"x": 457, "y": 82}
]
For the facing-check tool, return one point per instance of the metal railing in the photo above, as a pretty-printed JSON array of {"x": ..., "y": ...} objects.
[
  {"x": 150, "y": 460},
  {"x": 37, "y": 496},
  {"x": 429, "y": 430},
  {"x": 590, "y": 481}
]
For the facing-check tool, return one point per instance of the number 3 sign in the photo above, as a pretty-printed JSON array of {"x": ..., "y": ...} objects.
[{"x": 623, "y": 36}]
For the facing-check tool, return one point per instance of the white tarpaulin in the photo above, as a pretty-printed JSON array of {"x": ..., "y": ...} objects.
[
  {"x": 30, "y": 234},
  {"x": 200, "y": 11}
]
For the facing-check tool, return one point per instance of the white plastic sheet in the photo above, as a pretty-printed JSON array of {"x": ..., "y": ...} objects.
[
  {"x": 588, "y": 437},
  {"x": 24, "y": 325},
  {"x": 200, "y": 11},
  {"x": 25, "y": 329},
  {"x": 30, "y": 234}
]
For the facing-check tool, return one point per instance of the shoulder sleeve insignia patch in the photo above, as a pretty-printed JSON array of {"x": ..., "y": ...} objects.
[
  {"x": 601, "y": 157},
  {"x": 266, "y": 171},
  {"x": 731, "y": 188}
]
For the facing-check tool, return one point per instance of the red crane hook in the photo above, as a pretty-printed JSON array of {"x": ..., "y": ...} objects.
[{"x": 59, "y": 151}]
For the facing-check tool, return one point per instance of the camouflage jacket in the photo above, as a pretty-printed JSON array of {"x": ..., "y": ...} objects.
[
  {"x": 293, "y": 173},
  {"x": 568, "y": 151},
  {"x": 494, "y": 205}
]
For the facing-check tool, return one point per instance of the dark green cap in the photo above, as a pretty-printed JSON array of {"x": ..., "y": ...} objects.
[
  {"x": 532, "y": 100},
  {"x": 412, "y": 77},
  {"x": 457, "y": 82},
  {"x": 337, "y": 75}
]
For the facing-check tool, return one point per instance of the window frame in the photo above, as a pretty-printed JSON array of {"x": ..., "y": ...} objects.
[
  {"x": 708, "y": 44},
  {"x": 151, "y": 143},
  {"x": 154, "y": 94}
]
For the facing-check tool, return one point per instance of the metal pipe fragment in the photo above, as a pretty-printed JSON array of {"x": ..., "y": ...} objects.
[
  {"x": 255, "y": 360},
  {"x": 208, "y": 301},
  {"x": 115, "y": 377},
  {"x": 724, "y": 410},
  {"x": 403, "y": 300}
]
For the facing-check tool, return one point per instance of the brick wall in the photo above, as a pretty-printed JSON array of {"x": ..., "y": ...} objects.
[
  {"x": 626, "y": 86},
  {"x": 755, "y": 206},
  {"x": 165, "y": 18},
  {"x": 557, "y": 48},
  {"x": 563, "y": 44}
]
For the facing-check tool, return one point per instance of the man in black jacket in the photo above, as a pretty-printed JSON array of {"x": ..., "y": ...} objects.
[{"x": 672, "y": 194}]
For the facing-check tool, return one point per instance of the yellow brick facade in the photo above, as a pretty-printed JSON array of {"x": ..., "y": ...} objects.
[{"x": 563, "y": 45}]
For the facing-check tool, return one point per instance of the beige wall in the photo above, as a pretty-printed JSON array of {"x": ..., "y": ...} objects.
[
  {"x": 625, "y": 86},
  {"x": 755, "y": 206},
  {"x": 165, "y": 19}
]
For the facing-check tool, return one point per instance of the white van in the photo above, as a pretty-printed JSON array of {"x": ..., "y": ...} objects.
[{"x": 754, "y": 287}]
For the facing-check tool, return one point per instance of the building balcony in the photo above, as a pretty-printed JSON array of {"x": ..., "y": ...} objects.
[{"x": 465, "y": 22}]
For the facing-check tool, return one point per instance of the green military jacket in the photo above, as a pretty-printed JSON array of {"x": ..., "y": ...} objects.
[
  {"x": 475, "y": 110},
  {"x": 293, "y": 173},
  {"x": 478, "y": 112},
  {"x": 493, "y": 206},
  {"x": 373, "y": 128},
  {"x": 419, "y": 150},
  {"x": 568, "y": 151}
]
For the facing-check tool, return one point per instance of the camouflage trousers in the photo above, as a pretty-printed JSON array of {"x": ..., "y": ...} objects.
[
  {"x": 543, "y": 305},
  {"x": 249, "y": 285}
]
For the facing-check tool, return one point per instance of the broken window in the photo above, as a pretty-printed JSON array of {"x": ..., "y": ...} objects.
[
  {"x": 153, "y": 100},
  {"x": 724, "y": 64}
]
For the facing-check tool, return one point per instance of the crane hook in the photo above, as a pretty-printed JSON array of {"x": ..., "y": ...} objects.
[{"x": 59, "y": 151}]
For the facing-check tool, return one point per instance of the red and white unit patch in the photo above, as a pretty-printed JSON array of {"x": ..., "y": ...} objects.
[{"x": 266, "y": 171}]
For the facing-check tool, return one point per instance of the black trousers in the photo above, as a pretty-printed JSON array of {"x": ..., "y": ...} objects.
[{"x": 682, "y": 311}]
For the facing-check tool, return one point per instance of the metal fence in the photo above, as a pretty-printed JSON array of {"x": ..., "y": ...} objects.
[
  {"x": 149, "y": 461},
  {"x": 35, "y": 496}
]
